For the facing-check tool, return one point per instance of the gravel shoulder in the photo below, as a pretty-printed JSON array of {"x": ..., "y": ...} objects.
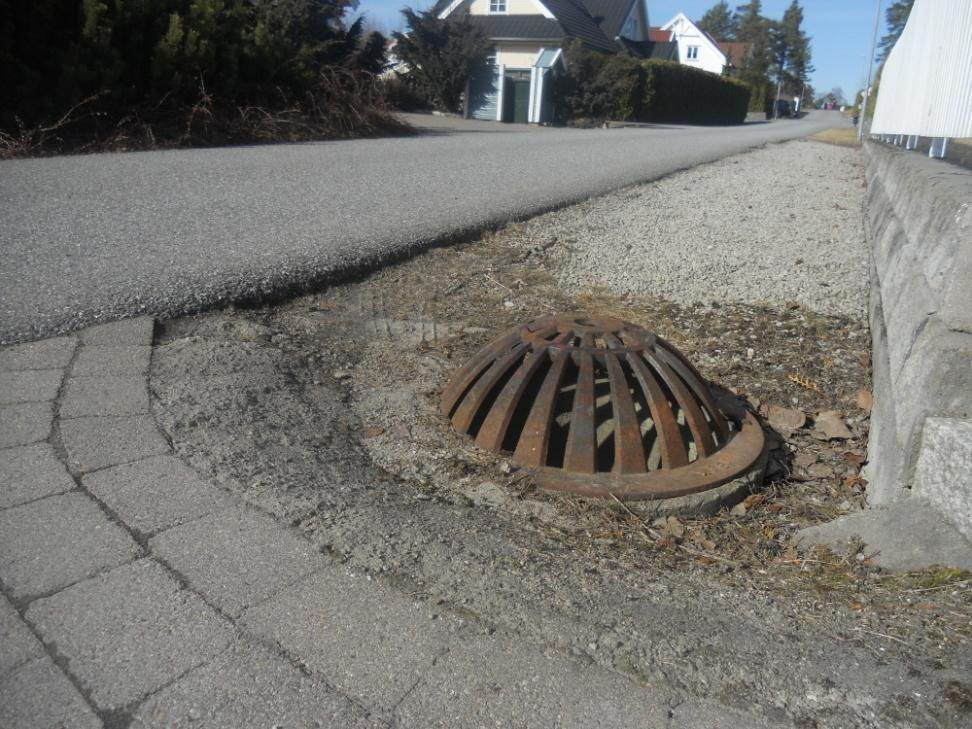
[
  {"x": 779, "y": 224},
  {"x": 323, "y": 411}
]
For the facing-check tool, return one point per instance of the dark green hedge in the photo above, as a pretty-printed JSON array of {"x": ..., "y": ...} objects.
[
  {"x": 598, "y": 87},
  {"x": 679, "y": 94}
]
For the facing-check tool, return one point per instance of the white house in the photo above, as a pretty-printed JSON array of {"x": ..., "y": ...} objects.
[
  {"x": 516, "y": 85},
  {"x": 696, "y": 48}
]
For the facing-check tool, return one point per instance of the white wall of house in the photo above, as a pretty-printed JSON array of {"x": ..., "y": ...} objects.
[
  {"x": 694, "y": 47},
  {"x": 517, "y": 55}
]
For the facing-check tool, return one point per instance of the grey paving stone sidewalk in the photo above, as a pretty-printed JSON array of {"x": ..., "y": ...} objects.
[{"x": 136, "y": 593}]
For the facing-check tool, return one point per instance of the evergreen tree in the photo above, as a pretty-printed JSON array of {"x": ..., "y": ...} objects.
[
  {"x": 790, "y": 48},
  {"x": 718, "y": 22},
  {"x": 154, "y": 57},
  {"x": 441, "y": 55},
  {"x": 750, "y": 25},
  {"x": 754, "y": 29},
  {"x": 897, "y": 16}
]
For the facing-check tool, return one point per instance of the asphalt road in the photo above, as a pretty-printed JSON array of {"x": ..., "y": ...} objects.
[{"x": 100, "y": 237}]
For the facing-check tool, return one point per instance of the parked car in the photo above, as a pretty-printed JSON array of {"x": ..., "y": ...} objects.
[{"x": 781, "y": 109}]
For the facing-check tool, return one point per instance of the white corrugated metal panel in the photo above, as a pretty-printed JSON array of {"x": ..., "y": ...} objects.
[{"x": 926, "y": 84}]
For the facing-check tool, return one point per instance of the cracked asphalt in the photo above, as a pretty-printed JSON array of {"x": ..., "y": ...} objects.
[{"x": 94, "y": 238}]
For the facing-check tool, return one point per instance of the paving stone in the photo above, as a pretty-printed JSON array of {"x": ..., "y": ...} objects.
[
  {"x": 94, "y": 443},
  {"x": 39, "y": 696},
  {"x": 155, "y": 493},
  {"x": 129, "y": 632},
  {"x": 92, "y": 396},
  {"x": 44, "y": 355},
  {"x": 48, "y": 544},
  {"x": 237, "y": 557},
  {"x": 248, "y": 686},
  {"x": 29, "y": 386},
  {"x": 126, "y": 331},
  {"x": 363, "y": 638},
  {"x": 490, "y": 681},
  {"x": 25, "y": 423},
  {"x": 31, "y": 472},
  {"x": 108, "y": 361},
  {"x": 17, "y": 644}
]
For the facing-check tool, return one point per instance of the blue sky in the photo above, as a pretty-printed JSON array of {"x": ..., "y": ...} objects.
[{"x": 840, "y": 31}]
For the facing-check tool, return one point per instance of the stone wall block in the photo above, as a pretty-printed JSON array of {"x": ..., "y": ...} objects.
[
  {"x": 944, "y": 460},
  {"x": 920, "y": 225}
]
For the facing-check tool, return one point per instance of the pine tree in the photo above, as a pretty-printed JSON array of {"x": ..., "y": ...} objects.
[
  {"x": 751, "y": 26},
  {"x": 897, "y": 16},
  {"x": 790, "y": 47},
  {"x": 441, "y": 55},
  {"x": 754, "y": 29},
  {"x": 718, "y": 22}
]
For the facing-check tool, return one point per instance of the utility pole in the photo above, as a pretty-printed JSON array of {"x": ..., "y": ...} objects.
[{"x": 870, "y": 69}]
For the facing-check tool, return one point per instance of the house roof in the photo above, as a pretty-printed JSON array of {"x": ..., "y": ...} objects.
[
  {"x": 659, "y": 36},
  {"x": 734, "y": 52},
  {"x": 660, "y": 50},
  {"x": 518, "y": 26},
  {"x": 595, "y": 22}
]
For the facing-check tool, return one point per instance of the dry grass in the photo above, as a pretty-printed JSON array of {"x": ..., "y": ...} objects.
[{"x": 842, "y": 137}]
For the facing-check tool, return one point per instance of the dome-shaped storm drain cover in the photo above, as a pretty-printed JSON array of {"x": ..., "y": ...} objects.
[{"x": 598, "y": 406}]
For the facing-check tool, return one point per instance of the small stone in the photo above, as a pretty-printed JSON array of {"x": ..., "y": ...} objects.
[{"x": 341, "y": 374}]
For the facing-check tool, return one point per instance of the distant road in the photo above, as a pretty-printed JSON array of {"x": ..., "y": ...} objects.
[{"x": 99, "y": 237}]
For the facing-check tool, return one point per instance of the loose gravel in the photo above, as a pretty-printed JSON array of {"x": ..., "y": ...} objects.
[{"x": 778, "y": 225}]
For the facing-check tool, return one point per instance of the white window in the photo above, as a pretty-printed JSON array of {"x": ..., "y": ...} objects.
[
  {"x": 497, "y": 6},
  {"x": 693, "y": 53}
]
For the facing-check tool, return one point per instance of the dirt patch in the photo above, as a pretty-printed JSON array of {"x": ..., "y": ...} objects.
[{"x": 325, "y": 412}]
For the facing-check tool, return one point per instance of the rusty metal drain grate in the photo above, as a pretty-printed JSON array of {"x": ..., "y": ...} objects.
[{"x": 598, "y": 406}]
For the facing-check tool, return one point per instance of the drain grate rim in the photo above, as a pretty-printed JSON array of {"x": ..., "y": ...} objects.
[{"x": 623, "y": 384}]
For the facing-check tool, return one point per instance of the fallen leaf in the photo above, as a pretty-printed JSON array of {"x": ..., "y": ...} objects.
[
  {"x": 373, "y": 431},
  {"x": 802, "y": 460},
  {"x": 855, "y": 459},
  {"x": 775, "y": 507},
  {"x": 753, "y": 500},
  {"x": 704, "y": 561},
  {"x": 785, "y": 420},
  {"x": 738, "y": 509},
  {"x": 820, "y": 471},
  {"x": 674, "y": 527},
  {"x": 697, "y": 537},
  {"x": 830, "y": 425},
  {"x": 865, "y": 400},
  {"x": 858, "y": 606}
]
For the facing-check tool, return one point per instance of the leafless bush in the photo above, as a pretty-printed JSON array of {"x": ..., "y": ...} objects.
[
  {"x": 28, "y": 141},
  {"x": 344, "y": 104}
]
